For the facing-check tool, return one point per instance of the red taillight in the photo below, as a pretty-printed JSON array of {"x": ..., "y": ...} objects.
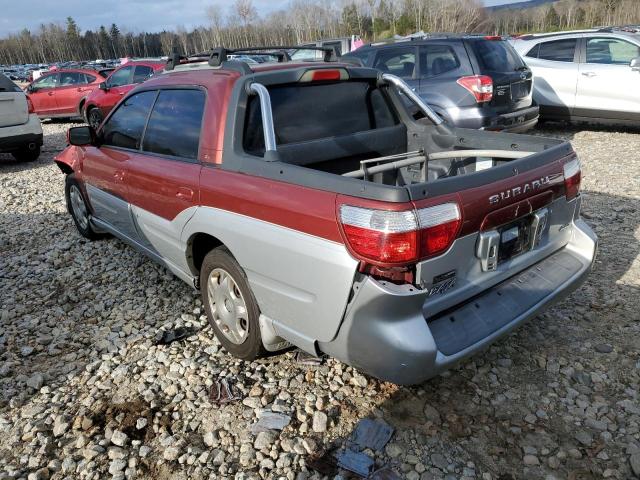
[
  {"x": 439, "y": 227},
  {"x": 481, "y": 86},
  {"x": 402, "y": 237},
  {"x": 572, "y": 178},
  {"x": 30, "y": 107},
  {"x": 493, "y": 37}
]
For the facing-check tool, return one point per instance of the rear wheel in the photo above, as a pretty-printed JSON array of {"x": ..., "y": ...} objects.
[
  {"x": 230, "y": 305},
  {"x": 78, "y": 208},
  {"x": 27, "y": 154},
  {"x": 94, "y": 117}
]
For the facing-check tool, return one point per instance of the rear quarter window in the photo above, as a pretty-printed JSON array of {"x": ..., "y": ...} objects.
[
  {"x": 437, "y": 59},
  {"x": 304, "y": 113},
  {"x": 7, "y": 85}
]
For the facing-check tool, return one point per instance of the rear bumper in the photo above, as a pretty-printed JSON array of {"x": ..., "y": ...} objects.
[
  {"x": 18, "y": 137},
  {"x": 486, "y": 118},
  {"x": 385, "y": 332}
]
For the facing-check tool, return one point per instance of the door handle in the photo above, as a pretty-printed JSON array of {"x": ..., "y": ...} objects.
[
  {"x": 589, "y": 74},
  {"x": 184, "y": 193},
  {"x": 50, "y": 94},
  {"x": 118, "y": 175}
]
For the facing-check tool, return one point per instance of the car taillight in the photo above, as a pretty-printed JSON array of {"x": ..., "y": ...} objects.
[
  {"x": 572, "y": 178},
  {"x": 439, "y": 227},
  {"x": 481, "y": 86},
  {"x": 30, "y": 107},
  {"x": 400, "y": 237}
]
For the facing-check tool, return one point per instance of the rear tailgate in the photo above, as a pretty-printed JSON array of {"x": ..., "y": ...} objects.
[
  {"x": 524, "y": 218},
  {"x": 13, "y": 104},
  {"x": 512, "y": 79}
]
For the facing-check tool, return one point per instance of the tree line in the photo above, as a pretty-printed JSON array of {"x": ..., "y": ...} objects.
[{"x": 306, "y": 20}]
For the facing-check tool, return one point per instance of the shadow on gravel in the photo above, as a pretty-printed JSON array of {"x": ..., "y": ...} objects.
[
  {"x": 53, "y": 144},
  {"x": 476, "y": 412},
  {"x": 567, "y": 131}
]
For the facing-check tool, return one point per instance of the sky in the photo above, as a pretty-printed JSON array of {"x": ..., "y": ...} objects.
[{"x": 132, "y": 15}]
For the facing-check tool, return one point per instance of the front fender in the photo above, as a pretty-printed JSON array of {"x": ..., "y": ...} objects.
[{"x": 68, "y": 160}]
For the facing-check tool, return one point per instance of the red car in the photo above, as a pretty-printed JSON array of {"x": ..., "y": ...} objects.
[
  {"x": 62, "y": 93},
  {"x": 310, "y": 207},
  {"x": 119, "y": 83}
]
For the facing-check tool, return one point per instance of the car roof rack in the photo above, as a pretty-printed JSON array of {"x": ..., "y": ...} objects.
[{"x": 216, "y": 57}]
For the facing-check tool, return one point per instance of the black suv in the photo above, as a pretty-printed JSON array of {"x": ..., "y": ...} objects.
[{"x": 471, "y": 81}]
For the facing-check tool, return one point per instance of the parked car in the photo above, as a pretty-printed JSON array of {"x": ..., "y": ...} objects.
[
  {"x": 312, "y": 209},
  {"x": 118, "y": 84},
  {"x": 62, "y": 92},
  {"x": 20, "y": 129},
  {"x": 470, "y": 81},
  {"x": 588, "y": 75}
]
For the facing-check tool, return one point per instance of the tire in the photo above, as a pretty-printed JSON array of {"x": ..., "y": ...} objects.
[
  {"x": 78, "y": 208},
  {"x": 94, "y": 117},
  {"x": 27, "y": 155},
  {"x": 239, "y": 335}
]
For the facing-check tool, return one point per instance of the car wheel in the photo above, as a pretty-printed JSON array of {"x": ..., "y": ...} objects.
[
  {"x": 27, "y": 154},
  {"x": 230, "y": 305},
  {"x": 94, "y": 117},
  {"x": 78, "y": 208}
]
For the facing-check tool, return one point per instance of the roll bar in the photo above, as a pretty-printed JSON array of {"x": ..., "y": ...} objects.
[
  {"x": 266, "y": 113},
  {"x": 407, "y": 90}
]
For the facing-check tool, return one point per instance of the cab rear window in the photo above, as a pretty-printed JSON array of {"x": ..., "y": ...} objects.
[
  {"x": 6, "y": 85},
  {"x": 303, "y": 113}
]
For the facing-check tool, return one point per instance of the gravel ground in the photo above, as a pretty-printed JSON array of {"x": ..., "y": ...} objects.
[{"x": 85, "y": 392}]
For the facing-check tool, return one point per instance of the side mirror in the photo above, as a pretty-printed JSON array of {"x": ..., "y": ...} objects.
[
  {"x": 103, "y": 86},
  {"x": 635, "y": 64},
  {"x": 81, "y": 136}
]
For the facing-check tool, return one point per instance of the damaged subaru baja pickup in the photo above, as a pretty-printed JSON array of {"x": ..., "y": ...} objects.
[{"x": 311, "y": 208}]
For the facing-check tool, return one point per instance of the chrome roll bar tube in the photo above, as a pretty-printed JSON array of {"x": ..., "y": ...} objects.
[
  {"x": 406, "y": 89},
  {"x": 267, "y": 115}
]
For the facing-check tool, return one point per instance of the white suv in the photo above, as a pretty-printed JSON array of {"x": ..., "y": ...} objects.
[
  {"x": 590, "y": 75},
  {"x": 20, "y": 129}
]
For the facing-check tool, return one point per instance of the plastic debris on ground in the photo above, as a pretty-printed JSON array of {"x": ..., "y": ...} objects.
[
  {"x": 222, "y": 391},
  {"x": 373, "y": 434},
  {"x": 304, "y": 358},
  {"x": 165, "y": 337},
  {"x": 355, "y": 462},
  {"x": 269, "y": 420}
]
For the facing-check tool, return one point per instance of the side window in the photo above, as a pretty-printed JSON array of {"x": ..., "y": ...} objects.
[
  {"x": 49, "y": 81},
  {"x": 119, "y": 78},
  {"x": 365, "y": 56},
  {"x": 124, "y": 128},
  {"x": 89, "y": 78},
  {"x": 398, "y": 61},
  {"x": 611, "y": 51},
  {"x": 141, "y": 73},
  {"x": 174, "y": 125},
  {"x": 436, "y": 60},
  {"x": 70, "y": 78},
  {"x": 558, "y": 50}
]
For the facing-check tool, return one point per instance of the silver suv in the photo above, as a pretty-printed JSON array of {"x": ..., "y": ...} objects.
[
  {"x": 20, "y": 130},
  {"x": 589, "y": 75}
]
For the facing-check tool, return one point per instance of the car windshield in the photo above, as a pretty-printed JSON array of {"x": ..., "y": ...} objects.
[{"x": 496, "y": 56}]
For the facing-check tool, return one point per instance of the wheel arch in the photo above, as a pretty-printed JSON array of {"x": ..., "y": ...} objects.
[{"x": 198, "y": 245}]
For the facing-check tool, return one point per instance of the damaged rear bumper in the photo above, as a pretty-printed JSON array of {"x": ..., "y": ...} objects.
[{"x": 385, "y": 332}]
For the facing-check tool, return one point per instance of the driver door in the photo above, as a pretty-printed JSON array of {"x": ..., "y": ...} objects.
[
  {"x": 607, "y": 85},
  {"x": 104, "y": 167},
  {"x": 117, "y": 85},
  {"x": 44, "y": 95}
]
